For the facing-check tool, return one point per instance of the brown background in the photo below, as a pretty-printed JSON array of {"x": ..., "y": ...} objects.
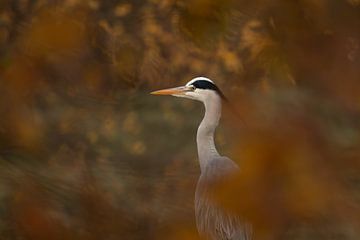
[{"x": 87, "y": 153}]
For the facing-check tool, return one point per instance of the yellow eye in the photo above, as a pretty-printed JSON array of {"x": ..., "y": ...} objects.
[{"x": 192, "y": 87}]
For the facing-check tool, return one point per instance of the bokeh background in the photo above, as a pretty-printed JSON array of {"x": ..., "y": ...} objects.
[{"x": 87, "y": 153}]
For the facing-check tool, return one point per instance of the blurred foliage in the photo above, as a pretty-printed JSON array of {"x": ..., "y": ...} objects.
[{"x": 86, "y": 153}]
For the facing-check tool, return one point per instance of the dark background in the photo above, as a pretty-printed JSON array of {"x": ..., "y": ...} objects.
[{"x": 87, "y": 153}]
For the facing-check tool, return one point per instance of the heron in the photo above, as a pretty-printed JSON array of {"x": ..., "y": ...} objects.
[{"x": 212, "y": 220}]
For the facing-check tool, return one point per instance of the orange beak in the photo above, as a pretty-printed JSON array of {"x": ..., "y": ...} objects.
[{"x": 172, "y": 91}]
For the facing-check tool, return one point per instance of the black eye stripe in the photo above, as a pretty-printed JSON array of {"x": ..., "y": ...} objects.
[{"x": 203, "y": 84}]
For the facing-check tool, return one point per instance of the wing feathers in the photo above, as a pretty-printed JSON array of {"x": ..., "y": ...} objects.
[{"x": 212, "y": 220}]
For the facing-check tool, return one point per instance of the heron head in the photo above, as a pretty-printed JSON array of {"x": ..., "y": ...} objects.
[{"x": 199, "y": 88}]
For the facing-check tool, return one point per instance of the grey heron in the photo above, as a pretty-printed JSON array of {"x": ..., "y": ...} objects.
[{"x": 212, "y": 220}]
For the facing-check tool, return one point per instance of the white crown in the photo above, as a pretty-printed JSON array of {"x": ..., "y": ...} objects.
[{"x": 198, "y": 79}]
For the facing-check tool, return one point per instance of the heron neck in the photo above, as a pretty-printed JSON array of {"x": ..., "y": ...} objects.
[{"x": 205, "y": 134}]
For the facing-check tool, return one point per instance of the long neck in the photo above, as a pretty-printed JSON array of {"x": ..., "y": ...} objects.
[{"x": 205, "y": 134}]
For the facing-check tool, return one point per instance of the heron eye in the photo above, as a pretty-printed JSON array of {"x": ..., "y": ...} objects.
[{"x": 192, "y": 87}]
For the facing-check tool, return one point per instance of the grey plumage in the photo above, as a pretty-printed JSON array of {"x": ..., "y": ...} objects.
[{"x": 213, "y": 221}]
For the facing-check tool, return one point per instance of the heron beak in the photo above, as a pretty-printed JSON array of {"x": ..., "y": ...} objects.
[{"x": 172, "y": 91}]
